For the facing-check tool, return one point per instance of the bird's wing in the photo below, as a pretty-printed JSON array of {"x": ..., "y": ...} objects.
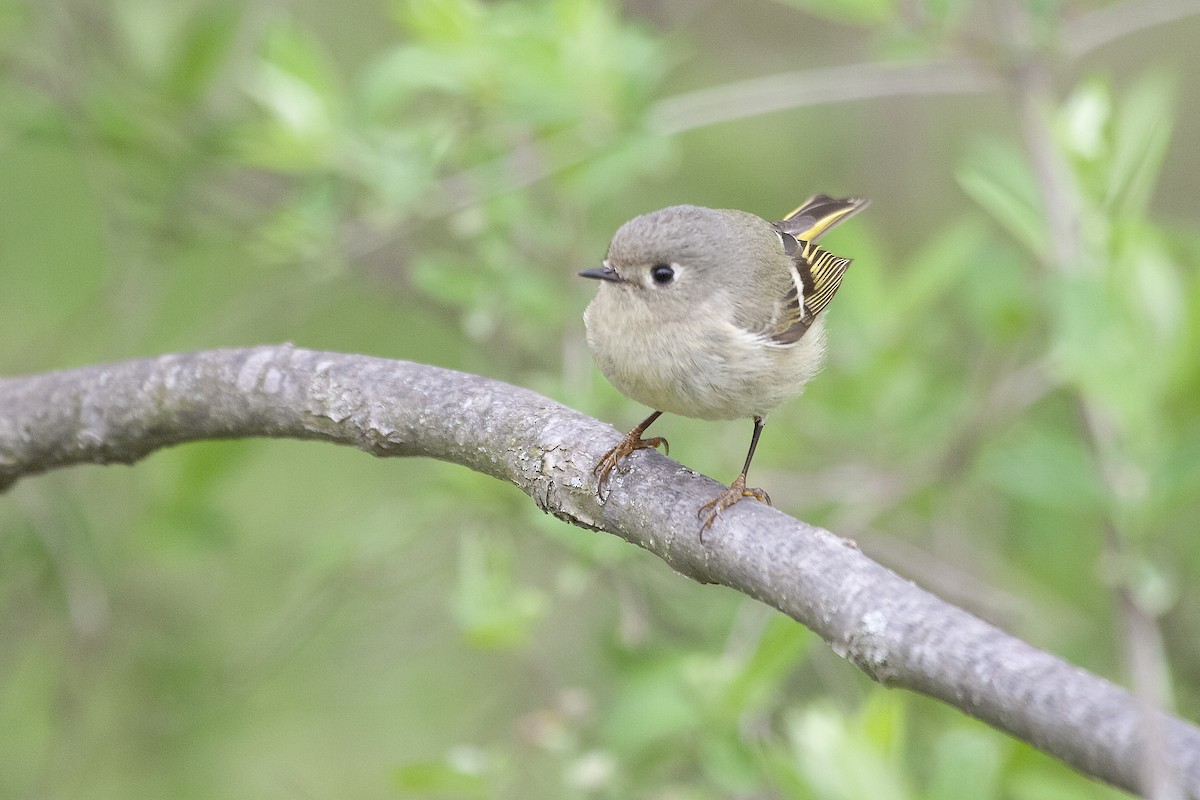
[
  {"x": 819, "y": 214},
  {"x": 816, "y": 275}
]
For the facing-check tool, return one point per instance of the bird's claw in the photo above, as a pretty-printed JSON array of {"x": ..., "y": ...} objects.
[
  {"x": 632, "y": 442},
  {"x": 736, "y": 492}
]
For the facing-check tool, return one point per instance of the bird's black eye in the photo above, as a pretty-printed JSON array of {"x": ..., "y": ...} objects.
[{"x": 662, "y": 274}]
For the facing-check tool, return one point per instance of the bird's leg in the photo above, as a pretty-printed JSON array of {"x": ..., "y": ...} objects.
[
  {"x": 632, "y": 441},
  {"x": 737, "y": 490}
]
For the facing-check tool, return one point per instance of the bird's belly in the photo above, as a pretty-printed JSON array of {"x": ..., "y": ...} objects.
[{"x": 724, "y": 373}]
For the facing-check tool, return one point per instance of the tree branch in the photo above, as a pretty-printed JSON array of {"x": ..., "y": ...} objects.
[{"x": 897, "y": 633}]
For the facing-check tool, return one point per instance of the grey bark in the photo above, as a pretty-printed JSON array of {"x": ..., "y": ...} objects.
[{"x": 897, "y": 633}]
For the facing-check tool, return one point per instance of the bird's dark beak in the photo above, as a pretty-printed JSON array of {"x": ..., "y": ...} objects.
[{"x": 602, "y": 274}]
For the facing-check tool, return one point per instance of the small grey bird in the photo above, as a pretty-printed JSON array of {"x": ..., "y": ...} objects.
[{"x": 714, "y": 314}]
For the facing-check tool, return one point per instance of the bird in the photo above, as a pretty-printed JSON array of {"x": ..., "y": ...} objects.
[{"x": 715, "y": 314}]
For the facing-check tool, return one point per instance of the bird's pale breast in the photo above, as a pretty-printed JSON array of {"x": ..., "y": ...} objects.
[{"x": 701, "y": 365}]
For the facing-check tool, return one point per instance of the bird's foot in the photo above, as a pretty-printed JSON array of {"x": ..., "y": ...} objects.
[
  {"x": 736, "y": 492},
  {"x": 632, "y": 442}
]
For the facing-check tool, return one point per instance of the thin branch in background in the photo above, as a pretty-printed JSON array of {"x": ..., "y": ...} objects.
[
  {"x": 786, "y": 90},
  {"x": 1097, "y": 28},
  {"x": 1144, "y": 652},
  {"x": 1035, "y": 103},
  {"x": 1146, "y": 664},
  {"x": 755, "y": 96},
  {"x": 1146, "y": 660}
]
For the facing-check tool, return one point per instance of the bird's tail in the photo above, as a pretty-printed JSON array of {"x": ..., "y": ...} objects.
[{"x": 818, "y": 214}]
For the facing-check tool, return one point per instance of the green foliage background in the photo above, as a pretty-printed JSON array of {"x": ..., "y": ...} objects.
[{"x": 1008, "y": 419}]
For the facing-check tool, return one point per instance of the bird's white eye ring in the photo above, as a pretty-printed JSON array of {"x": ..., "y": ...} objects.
[{"x": 662, "y": 274}]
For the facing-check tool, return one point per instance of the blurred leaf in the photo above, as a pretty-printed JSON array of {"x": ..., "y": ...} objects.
[
  {"x": 729, "y": 765},
  {"x": 948, "y": 13},
  {"x": 951, "y": 255},
  {"x": 441, "y": 21},
  {"x": 443, "y": 275},
  {"x": 1141, "y": 134},
  {"x": 303, "y": 231},
  {"x": 997, "y": 178},
  {"x": 1155, "y": 288},
  {"x": 651, "y": 708},
  {"x": 150, "y": 34},
  {"x": 1178, "y": 476},
  {"x": 882, "y": 719},
  {"x": 492, "y": 609},
  {"x": 203, "y": 51},
  {"x": 14, "y": 19},
  {"x": 1106, "y": 324},
  {"x": 1002, "y": 295},
  {"x": 297, "y": 53},
  {"x": 52, "y": 224},
  {"x": 593, "y": 772},
  {"x": 779, "y": 768},
  {"x": 1154, "y": 591},
  {"x": 781, "y": 649},
  {"x": 967, "y": 762},
  {"x": 866, "y": 290},
  {"x": 841, "y": 760},
  {"x": 1084, "y": 120},
  {"x": 295, "y": 84},
  {"x": 601, "y": 177},
  {"x": 394, "y": 79},
  {"x": 440, "y": 779},
  {"x": 1047, "y": 466}
]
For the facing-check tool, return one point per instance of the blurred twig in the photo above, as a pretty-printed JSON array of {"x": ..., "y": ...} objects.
[
  {"x": 1145, "y": 656},
  {"x": 1104, "y": 25},
  {"x": 748, "y": 98}
]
